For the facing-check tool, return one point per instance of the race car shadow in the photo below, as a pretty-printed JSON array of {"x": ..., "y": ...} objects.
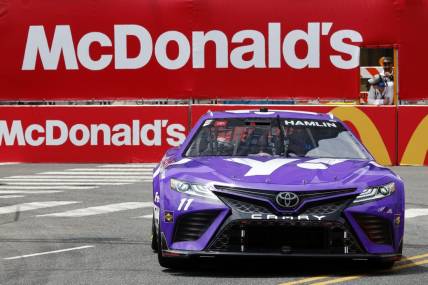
[{"x": 289, "y": 268}]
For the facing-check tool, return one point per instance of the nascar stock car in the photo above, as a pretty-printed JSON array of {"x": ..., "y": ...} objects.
[{"x": 275, "y": 183}]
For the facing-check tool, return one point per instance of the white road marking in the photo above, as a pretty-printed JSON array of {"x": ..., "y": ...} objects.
[
  {"x": 95, "y": 173},
  {"x": 413, "y": 213},
  {"x": 144, "y": 217},
  {"x": 48, "y": 252},
  {"x": 11, "y": 196},
  {"x": 131, "y": 165},
  {"x": 110, "y": 208},
  {"x": 33, "y": 206},
  {"x": 12, "y": 187},
  {"x": 68, "y": 179},
  {"x": 112, "y": 169},
  {"x": 28, "y": 192},
  {"x": 81, "y": 176},
  {"x": 83, "y": 183}
]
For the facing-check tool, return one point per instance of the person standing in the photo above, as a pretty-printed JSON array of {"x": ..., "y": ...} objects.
[{"x": 381, "y": 91}]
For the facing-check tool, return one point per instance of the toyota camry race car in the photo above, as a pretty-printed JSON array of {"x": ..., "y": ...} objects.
[{"x": 275, "y": 183}]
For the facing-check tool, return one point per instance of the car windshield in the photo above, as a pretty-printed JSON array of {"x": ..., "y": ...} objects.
[{"x": 274, "y": 137}]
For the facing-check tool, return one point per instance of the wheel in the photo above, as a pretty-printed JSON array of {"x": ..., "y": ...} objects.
[
  {"x": 154, "y": 236},
  {"x": 169, "y": 262}
]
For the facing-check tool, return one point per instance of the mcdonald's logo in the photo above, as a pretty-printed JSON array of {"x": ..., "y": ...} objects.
[{"x": 417, "y": 146}]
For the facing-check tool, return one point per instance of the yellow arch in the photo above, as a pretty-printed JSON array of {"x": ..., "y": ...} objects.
[
  {"x": 417, "y": 146},
  {"x": 368, "y": 132}
]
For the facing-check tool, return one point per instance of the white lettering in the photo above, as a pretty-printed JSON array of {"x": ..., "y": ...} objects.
[
  {"x": 83, "y": 51},
  {"x": 121, "y": 34},
  {"x": 183, "y": 50},
  {"x": 250, "y": 52},
  {"x": 51, "y": 125},
  {"x": 15, "y": 133},
  {"x": 37, "y": 43},
  {"x": 338, "y": 44},
  {"x": 199, "y": 41},
  {"x": 29, "y": 135},
  {"x": 312, "y": 39},
  {"x": 257, "y": 48}
]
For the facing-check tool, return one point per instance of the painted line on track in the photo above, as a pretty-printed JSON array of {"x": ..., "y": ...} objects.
[
  {"x": 48, "y": 252},
  {"x": 16, "y": 187},
  {"x": 413, "y": 213},
  {"x": 68, "y": 178},
  {"x": 76, "y": 183},
  {"x": 97, "y": 210},
  {"x": 131, "y": 165},
  {"x": 28, "y": 192},
  {"x": 402, "y": 264},
  {"x": 122, "y": 173},
  {"x": 83, "y": 176},
  {"x": 33, "y": 206},
  {"x": 112, "y": 169},
  {"x": 11, "y": 196}
]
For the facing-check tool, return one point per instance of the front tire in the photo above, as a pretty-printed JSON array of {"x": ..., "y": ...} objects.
[
  {"x": 154, "y": 236},
  {"x": 169, "y": 262}
]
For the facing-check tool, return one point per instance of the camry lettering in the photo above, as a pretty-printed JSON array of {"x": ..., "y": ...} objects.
[
  {"x": 290, "y": 218},
  {"x": 268, "y": 49},
  {"x": 56, "y": 133}
]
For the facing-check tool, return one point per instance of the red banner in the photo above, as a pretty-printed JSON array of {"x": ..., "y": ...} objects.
[
  {"x": 413, "y": 131},
  {"x": 90, "y": 134},
  {"x": 144, "y": 133},
  {"x": 201, "y": 49},
  {"x": 375, "y": 126}
]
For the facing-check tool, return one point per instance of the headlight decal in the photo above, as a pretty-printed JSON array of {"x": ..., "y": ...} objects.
[
  {"x": 375, "y": 193},
  {"x": 193, "y": 189}
]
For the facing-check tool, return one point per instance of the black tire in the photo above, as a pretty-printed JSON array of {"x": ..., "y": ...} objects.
[
  {"x": 169, "y": 262},
  {"x": 154, "y": 236}
]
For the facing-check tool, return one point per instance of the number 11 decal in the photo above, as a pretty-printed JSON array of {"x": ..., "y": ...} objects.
[{"x": 186, "y": 203}]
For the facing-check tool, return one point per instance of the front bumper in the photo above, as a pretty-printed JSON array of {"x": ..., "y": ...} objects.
[
  {"x": 338, "y": 232},
  {"x": 216, "y": 254}
]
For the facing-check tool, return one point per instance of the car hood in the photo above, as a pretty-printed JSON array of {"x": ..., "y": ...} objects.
[{"x": 276, "y": 171}]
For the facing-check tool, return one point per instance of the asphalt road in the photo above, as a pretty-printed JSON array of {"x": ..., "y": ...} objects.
[{"x": 66, "y": 224}]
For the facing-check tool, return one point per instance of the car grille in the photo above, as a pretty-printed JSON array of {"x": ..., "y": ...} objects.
[
  {"x": 378, "y": 230},
  {"x": 284, "y": 237},
  {"x": 326, "y": 208},
  {"x": 190, "y": 227},
  {"x": 243, "y": 206},
  {"x": 253, "y": 206},
  {"x": 271, "y": 195}
]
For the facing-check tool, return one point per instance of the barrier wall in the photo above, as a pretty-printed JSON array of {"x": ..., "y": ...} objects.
[
  {"x": 90, "y": 134},
  {"x": 144, "y": 133},
  {"x": 203, "y": 48},
  {"x": 413, "y": 135}
]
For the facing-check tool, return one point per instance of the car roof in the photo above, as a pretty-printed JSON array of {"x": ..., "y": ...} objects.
[{"x": 271, "y": 113}]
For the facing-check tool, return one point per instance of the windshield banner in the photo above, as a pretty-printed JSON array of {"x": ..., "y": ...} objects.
[{"x": 374, "y": 126}]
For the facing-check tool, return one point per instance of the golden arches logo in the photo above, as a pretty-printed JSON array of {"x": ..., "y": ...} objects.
[
  {"x": 369, "y": 134},
  {"x": 417, "y": 146}
]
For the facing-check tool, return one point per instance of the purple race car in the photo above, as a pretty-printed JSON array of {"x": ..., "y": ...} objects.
[{"x": 275, "y": 183}]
